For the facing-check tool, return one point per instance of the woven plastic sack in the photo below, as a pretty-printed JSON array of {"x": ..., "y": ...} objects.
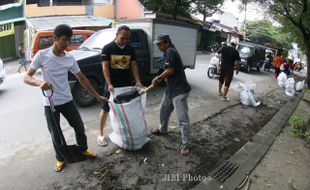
[
  {"x": 128, "y": 122},
  {"x": 300, "y": 85},
  {"x": 247, "y": 94},
  {"x": 289, "y": 87},
  {"x": 282, "y": 79}
]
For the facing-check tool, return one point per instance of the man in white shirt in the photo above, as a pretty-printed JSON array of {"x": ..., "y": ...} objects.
[{"x": 55, "y": 64}]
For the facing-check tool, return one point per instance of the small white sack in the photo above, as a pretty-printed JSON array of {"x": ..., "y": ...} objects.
[
  {"x": 300, "y": 85},
  {"x": 289, "y": 87},
  {"x": 282, "y": 79},
  {"x": 246, "y": 94},
  {"x": 128, "y": 122}
]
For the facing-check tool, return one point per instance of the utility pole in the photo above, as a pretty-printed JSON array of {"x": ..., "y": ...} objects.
[{"x": 244, "y": 23}]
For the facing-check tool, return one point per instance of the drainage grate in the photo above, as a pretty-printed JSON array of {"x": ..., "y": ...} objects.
[{"x": 223, "y": 171}]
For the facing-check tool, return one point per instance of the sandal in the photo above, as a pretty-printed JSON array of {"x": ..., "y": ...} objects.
[
  {"x": 59, "y": 166},
  {"x": 102, "y": 141},
  {"x": 157, "y": 132},
  {"x": 185, "y": 150},
  {"x": 225, "y": 99}
]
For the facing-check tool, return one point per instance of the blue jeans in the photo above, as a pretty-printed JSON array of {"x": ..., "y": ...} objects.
[{"x": 180, "y": 104}]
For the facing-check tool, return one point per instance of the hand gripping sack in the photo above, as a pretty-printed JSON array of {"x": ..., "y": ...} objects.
[{"x": 128, "y": 122}]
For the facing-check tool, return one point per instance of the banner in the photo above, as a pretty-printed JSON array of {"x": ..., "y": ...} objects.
[{"x": 6, "y": 29}]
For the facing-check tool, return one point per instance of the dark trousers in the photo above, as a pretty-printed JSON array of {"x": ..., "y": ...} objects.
[{"x": 72, "y": 115}]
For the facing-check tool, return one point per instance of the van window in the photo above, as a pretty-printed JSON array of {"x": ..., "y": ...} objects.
[
  {"x": 135, "y": 41},
  {"x": 99, "y": 39},
  {"x": 45, "y": 42},
  {"x": 76, "y": 39}
]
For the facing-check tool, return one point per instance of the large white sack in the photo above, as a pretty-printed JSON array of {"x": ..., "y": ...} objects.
[
  {"x": 246, "y": 94},
  {"x": 289, "y": 87},
  {"x": 282, "y": 79},
  {"x": 128, "y": 122},
  {"x": 300, "y": 85}
]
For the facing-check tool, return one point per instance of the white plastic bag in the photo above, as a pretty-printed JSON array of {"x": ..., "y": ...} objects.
[
  {"x": 289, "y": 87},
  {"x": 282, "y": 79},
  {"x": 128, "y": 122},
  {"x": 300, "y": 85},
  {"x": 246, "y": 94}
]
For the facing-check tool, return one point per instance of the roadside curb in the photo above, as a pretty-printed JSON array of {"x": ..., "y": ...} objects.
[{"x": 249, "y": 155}]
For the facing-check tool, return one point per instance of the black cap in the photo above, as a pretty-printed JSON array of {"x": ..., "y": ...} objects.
[{"x": 161, "y": 38}]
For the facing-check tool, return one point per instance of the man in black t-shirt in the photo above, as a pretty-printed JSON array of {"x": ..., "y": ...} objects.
[
  {"x": 228, "y": 56},
  {"x": 118, "y": 66},
  {"x": 177, "y": 91}
]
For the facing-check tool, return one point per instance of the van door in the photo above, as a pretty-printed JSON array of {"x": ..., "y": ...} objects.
[{"x": 138, "y": 40}]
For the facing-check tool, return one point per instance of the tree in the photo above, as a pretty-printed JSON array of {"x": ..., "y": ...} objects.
[
  {"x": 174, "y": 7},
  {"x": 294, "y": 15},
  {"x": 184, "y": 7},
  {"x": 207, "y": 7},
  {"x": 263, "y": 31}
]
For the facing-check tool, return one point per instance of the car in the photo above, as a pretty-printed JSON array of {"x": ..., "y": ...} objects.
[
  {"x": 44, "y": 39},
  {"x": 2, "y": 72}
]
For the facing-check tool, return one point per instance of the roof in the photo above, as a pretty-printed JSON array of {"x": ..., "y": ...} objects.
[{"x": 49, "y": 23}]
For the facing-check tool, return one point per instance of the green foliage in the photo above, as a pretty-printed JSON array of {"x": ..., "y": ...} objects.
[
  {"x": 175, "y": 7},
  {"x": 206, "y": 7},
  {"x": 298, "y": 125},
  {"x": 184, "y": 7},
  {"x": 263, "y": 31},
  {"x": 295, "y": 123}
]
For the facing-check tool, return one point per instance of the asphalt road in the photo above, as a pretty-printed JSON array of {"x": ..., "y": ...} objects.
[{"x": 22, "y": 120}]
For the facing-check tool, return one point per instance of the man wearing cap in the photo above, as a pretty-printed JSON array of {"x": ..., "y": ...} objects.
[
  {"x": 228, "y": 56},
  {"x": 177, "y": 91}
]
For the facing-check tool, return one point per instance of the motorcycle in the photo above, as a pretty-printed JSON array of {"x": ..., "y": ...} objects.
[
  {"x": 214, "y": 66},
  {"x": 267, "y": 64}
]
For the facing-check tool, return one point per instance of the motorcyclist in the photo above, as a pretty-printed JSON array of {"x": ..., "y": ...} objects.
[{"x": 267, "y": 61}]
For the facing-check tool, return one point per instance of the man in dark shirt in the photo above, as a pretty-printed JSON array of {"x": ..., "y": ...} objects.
[
  {"x": 228, "y": 56},
  {"x": 177, "y": 91},
  {"x": 118, "y": 66}
]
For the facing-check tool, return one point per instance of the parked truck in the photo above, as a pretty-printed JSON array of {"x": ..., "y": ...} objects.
[
  {"x": 251, "y": 55},
  {"x": 148, "y": 57}
]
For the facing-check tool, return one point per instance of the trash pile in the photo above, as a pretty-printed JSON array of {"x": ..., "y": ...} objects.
[{"x": 289, "y": 84}]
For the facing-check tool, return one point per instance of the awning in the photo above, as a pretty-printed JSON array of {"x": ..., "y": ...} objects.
[{"x": 49, "y": 23}]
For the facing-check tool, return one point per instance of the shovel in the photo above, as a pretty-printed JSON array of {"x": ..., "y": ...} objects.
[
  {"x": 71, "y": 153},
  {"x": 128, "y": 96}
]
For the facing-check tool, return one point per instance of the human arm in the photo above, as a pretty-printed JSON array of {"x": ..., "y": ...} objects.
[
  {"x": 169, "y": 71},
  {"x": 106, "y": 74},
  {"x": 135, "y": 72},
  {"x": 237, "y": 63},
  {"x": 30, "y": 80},
  {"x": 86, "y": 84}
]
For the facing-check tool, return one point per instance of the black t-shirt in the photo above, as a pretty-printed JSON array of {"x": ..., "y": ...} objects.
[
  {"x": 176, "y": 83},
  {"x": 229, "y": 56},
  {"x": 119, "y": 59}
]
